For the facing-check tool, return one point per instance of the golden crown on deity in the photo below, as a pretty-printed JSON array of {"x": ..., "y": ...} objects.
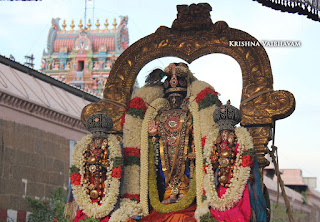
[{"x": 178, "y": 78}]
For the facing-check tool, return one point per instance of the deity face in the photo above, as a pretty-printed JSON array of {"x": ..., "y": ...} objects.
[
  {"x": 98, "y": 142},
  {"x": 227, "y": 136},
  {"x": 224, "y": 135},
  {"x": 175, "y": 100}
]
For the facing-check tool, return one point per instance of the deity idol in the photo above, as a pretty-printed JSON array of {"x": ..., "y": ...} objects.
[
  {"x": 170, "y": 133},
  {"x": 179, "y": 163},
  {"x": 163, "y": 127},
  {"x": 96, "y": 170},
  {"x": 232, "y": 188}
]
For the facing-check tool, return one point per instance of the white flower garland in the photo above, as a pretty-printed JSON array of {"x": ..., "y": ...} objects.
[
  {"x": 201, "y": 210},
  {"x": 207, "y": 123},
  {"x": 193, "y": 106},
  {"x": 240, "y": 174},
  {"x": 77, "y": 152},
  {"x": 131, "y": 180},
  {"x": 151, "y": 113},
  {"x": 197, "y": 86},
  {"x": 149, "y": 93},
  {"x": 128, "y": 208},
  {"x": 132, "y": 136},
  {"x": 112, "y": 185}
]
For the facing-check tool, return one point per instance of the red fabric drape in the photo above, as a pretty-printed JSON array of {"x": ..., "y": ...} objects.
[{"x": 239, "y": 213}]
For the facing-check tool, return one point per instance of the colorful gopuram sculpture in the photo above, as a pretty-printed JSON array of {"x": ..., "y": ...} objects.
[
  {"x": 83, "y": 57},
  {"x": 184, "y": 158}
]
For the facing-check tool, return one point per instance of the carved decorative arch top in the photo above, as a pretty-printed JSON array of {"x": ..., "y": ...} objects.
[{"x": 191, "y": 36}]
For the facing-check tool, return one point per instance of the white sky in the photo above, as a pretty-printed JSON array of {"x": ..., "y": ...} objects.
[{"x": 24, "y": 28}]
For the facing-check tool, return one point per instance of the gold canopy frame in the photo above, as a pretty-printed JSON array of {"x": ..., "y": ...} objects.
[{"x": 191, "y": 36}]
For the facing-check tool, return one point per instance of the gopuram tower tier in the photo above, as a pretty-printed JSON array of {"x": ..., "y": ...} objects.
[{"x": 83, "y": 56}]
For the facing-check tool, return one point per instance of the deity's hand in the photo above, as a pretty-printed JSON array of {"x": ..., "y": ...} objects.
[
  {"x": 180, "y": 197},
  {"x": 171, "y": 199}
]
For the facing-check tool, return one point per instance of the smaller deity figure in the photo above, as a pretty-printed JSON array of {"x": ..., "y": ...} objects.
[
  {"x": 56, "y": 66},
  {"x": 96, "y": 170},
  {"x": 68, "y": 66},
  {"x": 232, "y": 184},
  {"x": 95, "y": 65}
]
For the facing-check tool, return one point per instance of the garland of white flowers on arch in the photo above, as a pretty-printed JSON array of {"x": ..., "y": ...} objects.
[
  {"x": 112, "y": 184},
  {"x": 240, "y": 174}
]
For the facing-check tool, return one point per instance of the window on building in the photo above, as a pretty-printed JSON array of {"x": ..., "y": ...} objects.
[{"x": 80, "y": 65}]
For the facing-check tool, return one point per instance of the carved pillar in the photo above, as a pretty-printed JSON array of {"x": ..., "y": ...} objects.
[{"x": 261, "y": 135}]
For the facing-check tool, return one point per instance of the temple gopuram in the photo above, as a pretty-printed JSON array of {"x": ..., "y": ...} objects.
[{"x": 83, "y": 57}]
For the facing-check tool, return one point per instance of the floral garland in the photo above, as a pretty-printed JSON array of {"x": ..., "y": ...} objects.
[
  {"x": 129, "y": 208},
  {"x": 154, "y": 195},
  {"x": 132, "y": 120},
  {"x": 131, "y": 182},
  {"x": 207, "y": 97},
  {"x": 207, "y": 123},
  {"x": 131, "y": 156},
  {"x": 149, "y": 93},
  {"x": 241, "y": 171},
  {"x": 137, "y": 107},
  {"x": 197, "y": 142},
  {"x": 130, "y": 196},
  {"x": 151, "y": 113},
  {"x": 112, "y": 182},
  {"x": 131, "y": 144}
]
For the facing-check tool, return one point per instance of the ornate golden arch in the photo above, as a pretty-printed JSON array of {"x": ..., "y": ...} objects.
[{"x": 191, "y": 36}]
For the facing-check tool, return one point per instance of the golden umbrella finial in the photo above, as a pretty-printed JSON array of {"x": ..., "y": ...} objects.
[
  {"x": 72, "y": 25},
  {"x": 114, "y": 24},
  {"x": 64, "y": 25},
  {"x": 80, "y": 24},
  {"x": 97, "y": 24},
  {"x": 106, "y": 25},
  {"x": 89, "y": 24}
]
